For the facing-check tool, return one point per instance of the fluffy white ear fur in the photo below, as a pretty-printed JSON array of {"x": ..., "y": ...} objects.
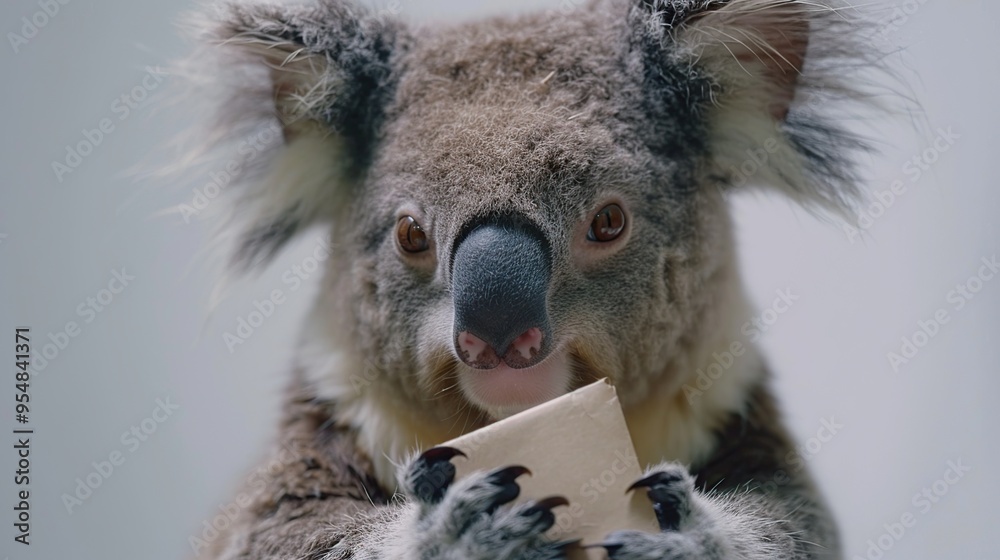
[
  {"x": 781, "y": 67},
  {"x": 759, "y": 46},
  {"x": 263, "y": 93}
]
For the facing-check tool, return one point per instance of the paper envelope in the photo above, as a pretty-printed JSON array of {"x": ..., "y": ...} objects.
[{"x": 576, "y": 446}]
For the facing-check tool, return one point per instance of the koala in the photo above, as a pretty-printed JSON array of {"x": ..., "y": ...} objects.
[{"x": 515, "y": 208}]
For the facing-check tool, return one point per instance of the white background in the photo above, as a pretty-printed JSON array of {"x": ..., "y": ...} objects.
[{"x": 61, "y": 240}]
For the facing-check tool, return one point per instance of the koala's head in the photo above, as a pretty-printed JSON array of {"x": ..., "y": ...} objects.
[{"x": 520, "y": 206}]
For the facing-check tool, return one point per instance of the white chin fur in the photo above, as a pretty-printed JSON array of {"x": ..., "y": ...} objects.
[{"x": 504, "y": 391}]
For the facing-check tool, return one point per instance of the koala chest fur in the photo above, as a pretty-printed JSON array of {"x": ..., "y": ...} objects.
[{"x": 517, "y": 208}]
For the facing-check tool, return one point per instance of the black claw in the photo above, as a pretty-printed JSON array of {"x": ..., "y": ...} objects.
[
  {"x": 441, "y": 454},
  {"x": 508, "y": 490},
  {"x": 670, "y": 501},
  {"x": 655, "y": 479},
  {"x": 505, "y": 495},
  {"x": 433, "y": 473},
  {"x": 550, "y": 503},
  {"x": 507, "y": 475},
  {"x": 543, "y": 508}
]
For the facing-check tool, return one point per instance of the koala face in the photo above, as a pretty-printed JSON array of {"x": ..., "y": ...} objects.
[
  {"x": 522, "y": 206},
  {"x": 529, "y": 280},
  {"x": 526, "y": 231}
]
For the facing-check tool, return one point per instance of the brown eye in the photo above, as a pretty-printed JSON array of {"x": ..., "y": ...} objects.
[
  {"x": 410, "y": 236},
  {"x": 608, "y": 224}
]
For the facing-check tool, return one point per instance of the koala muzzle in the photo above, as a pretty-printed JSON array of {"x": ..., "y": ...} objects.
[{"x": 500, "y": 280}]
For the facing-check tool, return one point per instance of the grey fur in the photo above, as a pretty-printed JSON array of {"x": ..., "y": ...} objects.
[{"x": 649, "y": 104}]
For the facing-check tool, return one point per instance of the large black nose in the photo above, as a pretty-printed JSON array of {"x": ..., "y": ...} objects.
[{"x": 500, "y": 278}]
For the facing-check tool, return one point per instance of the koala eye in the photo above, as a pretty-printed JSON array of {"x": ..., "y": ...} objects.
[
  {"x": 410, "y": 236},
  {"x": 608, "y": 224}
]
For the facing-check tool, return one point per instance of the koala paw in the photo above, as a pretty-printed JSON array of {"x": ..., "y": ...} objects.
[
  {"x": 685, "y": 532},
  {"x": 470, "y": 519}
]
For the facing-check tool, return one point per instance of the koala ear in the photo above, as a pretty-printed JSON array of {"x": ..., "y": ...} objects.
[
  {"x": 757, "y": 47},
  {"x": 300, "y": 92},
  {"x": 778, "y": 70}
]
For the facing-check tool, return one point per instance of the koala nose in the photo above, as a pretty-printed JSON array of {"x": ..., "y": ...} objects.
[
  {"x": 500, "y": 280},
  {"x": 480, "y": 354}
]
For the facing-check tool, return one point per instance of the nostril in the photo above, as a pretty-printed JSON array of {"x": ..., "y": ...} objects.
[
  {"x": 476, "y": 352},
  {"x": 528, "y": 344},
  {"x": 471, "y": 345},
  {"x": 526, "y": 349}
]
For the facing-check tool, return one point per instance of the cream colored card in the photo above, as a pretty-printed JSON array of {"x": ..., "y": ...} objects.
[{"x": 576, "y": 446}]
